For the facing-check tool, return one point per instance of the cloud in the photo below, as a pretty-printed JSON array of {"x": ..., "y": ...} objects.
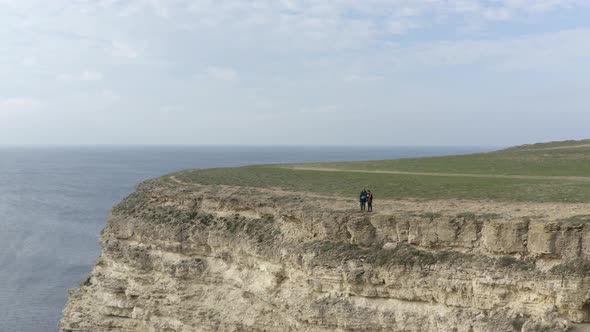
[
  {"x": 355, "y": 77},
  {"x": 90, "y": 75},
  {"x": 321, "y": 109},
  {"x": 109, "y": 96},
  {"x": 63, "y": 77},
  {"x": 542, "y": 5},
  {"x": 400, "y": 27},
  {"x": 30, "y": 61},
  {"x": 122, "y": 50},
  {"x": 502, "y": 10},
  {"x": 538, "y": 51},
  {"x": 222, "y": 74},
  {"x": 87, "y": 75},
  {"x": 159, "y": 8},
  {"x": 171, "y": 109},
  {"x": 19, "y": 106}
]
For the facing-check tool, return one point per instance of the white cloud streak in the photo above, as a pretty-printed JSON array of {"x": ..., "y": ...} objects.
[
  {"x": 19, "y": 106},
  {"x": 518, "y": 53},
  {"x": 123, "y": 50},
  {"x": 87, "y": 75},
  {"x": 222, "y": 74},
  {"x": 91, "y": 75}
]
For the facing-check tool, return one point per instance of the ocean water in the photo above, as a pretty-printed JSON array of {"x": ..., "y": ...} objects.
[{"x": 55, "y": 200}]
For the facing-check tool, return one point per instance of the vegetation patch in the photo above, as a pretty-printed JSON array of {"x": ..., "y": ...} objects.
[
  {"x": 578, "y": 220},
  {"x": 578, "y": 267},
  {"x": 333, "y": 253},
  {"x": 543, "y": 328},
  {"x": 281, "y": 200},
  {"x": 468, "y": 216},
  {"x": 431, "y": 215},
  {"x": 262, "y": 230},
  {"x": 140, "y": 206},
  {"x": 517, "y": 323},
  {"x": 514, "y": 263},
  {"x": 132, "y": 203},
  {"x": 328, "y": 252},
  {"x": 490, "y": 216}
]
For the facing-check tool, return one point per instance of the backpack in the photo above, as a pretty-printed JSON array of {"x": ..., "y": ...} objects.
[{"x": 363, "y": 197}]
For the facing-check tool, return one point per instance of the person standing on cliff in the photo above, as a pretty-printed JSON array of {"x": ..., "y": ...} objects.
[
  {"x": 369, "y": 201},
  {"x": 363, "y": 199}
]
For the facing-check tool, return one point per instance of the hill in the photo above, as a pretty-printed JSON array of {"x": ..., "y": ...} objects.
[{"x": 544, "y": 172}]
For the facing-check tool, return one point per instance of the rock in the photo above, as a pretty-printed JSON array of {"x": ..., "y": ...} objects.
[
  {"x": 234, "y": 263},
  {"x": 389, "y": 246}
]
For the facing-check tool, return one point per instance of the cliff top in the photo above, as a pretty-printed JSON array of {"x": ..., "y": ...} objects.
[{"x": 544, "y": 172}]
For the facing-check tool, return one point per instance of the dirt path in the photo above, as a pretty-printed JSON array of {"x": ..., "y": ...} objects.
[
  {"x": 180, "y": 182},
  {"x": 494, "y": 176},
  {"x": 559, "y": 147}
]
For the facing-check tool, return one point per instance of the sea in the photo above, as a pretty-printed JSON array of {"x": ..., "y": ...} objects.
[{"x": 55, "y": 200}]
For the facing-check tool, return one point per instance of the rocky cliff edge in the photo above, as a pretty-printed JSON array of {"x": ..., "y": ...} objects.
[{"x": 185, "y": 257}]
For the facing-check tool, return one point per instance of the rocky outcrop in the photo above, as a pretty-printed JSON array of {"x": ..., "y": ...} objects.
[{"x": 195, "y": 258}]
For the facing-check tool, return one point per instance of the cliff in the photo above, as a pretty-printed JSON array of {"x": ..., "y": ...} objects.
[{"x": 179, "y": 256}]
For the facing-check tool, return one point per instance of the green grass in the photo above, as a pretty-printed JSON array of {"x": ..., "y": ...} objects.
[
  {"x": 394, "y": 186},
  {"x": 562, "y": 163},
  {"x": 535, "y": 160},
  {"x": 527, "y": 160}
]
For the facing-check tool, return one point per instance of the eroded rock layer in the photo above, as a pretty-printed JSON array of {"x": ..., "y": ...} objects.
[{"x": 193, "y": 258}]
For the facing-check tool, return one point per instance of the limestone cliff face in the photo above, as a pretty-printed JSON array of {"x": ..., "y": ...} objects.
[{"x": 194, "y": 258}]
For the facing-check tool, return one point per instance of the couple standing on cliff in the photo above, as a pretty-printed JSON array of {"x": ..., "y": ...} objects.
[{"x": 366, "y": 199}]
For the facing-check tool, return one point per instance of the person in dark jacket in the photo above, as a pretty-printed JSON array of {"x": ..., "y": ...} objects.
[
  {"x": 363, "y": 199},
  {"x": 369, "y": 201}
]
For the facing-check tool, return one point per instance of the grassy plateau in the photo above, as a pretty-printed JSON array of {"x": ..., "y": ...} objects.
[{"x": 544, "y": 172}]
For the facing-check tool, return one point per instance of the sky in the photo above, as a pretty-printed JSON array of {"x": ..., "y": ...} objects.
[{"x": 320, "y": 72}]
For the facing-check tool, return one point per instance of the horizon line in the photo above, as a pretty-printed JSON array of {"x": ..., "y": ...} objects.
[{"x": 33, "y": 145}]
